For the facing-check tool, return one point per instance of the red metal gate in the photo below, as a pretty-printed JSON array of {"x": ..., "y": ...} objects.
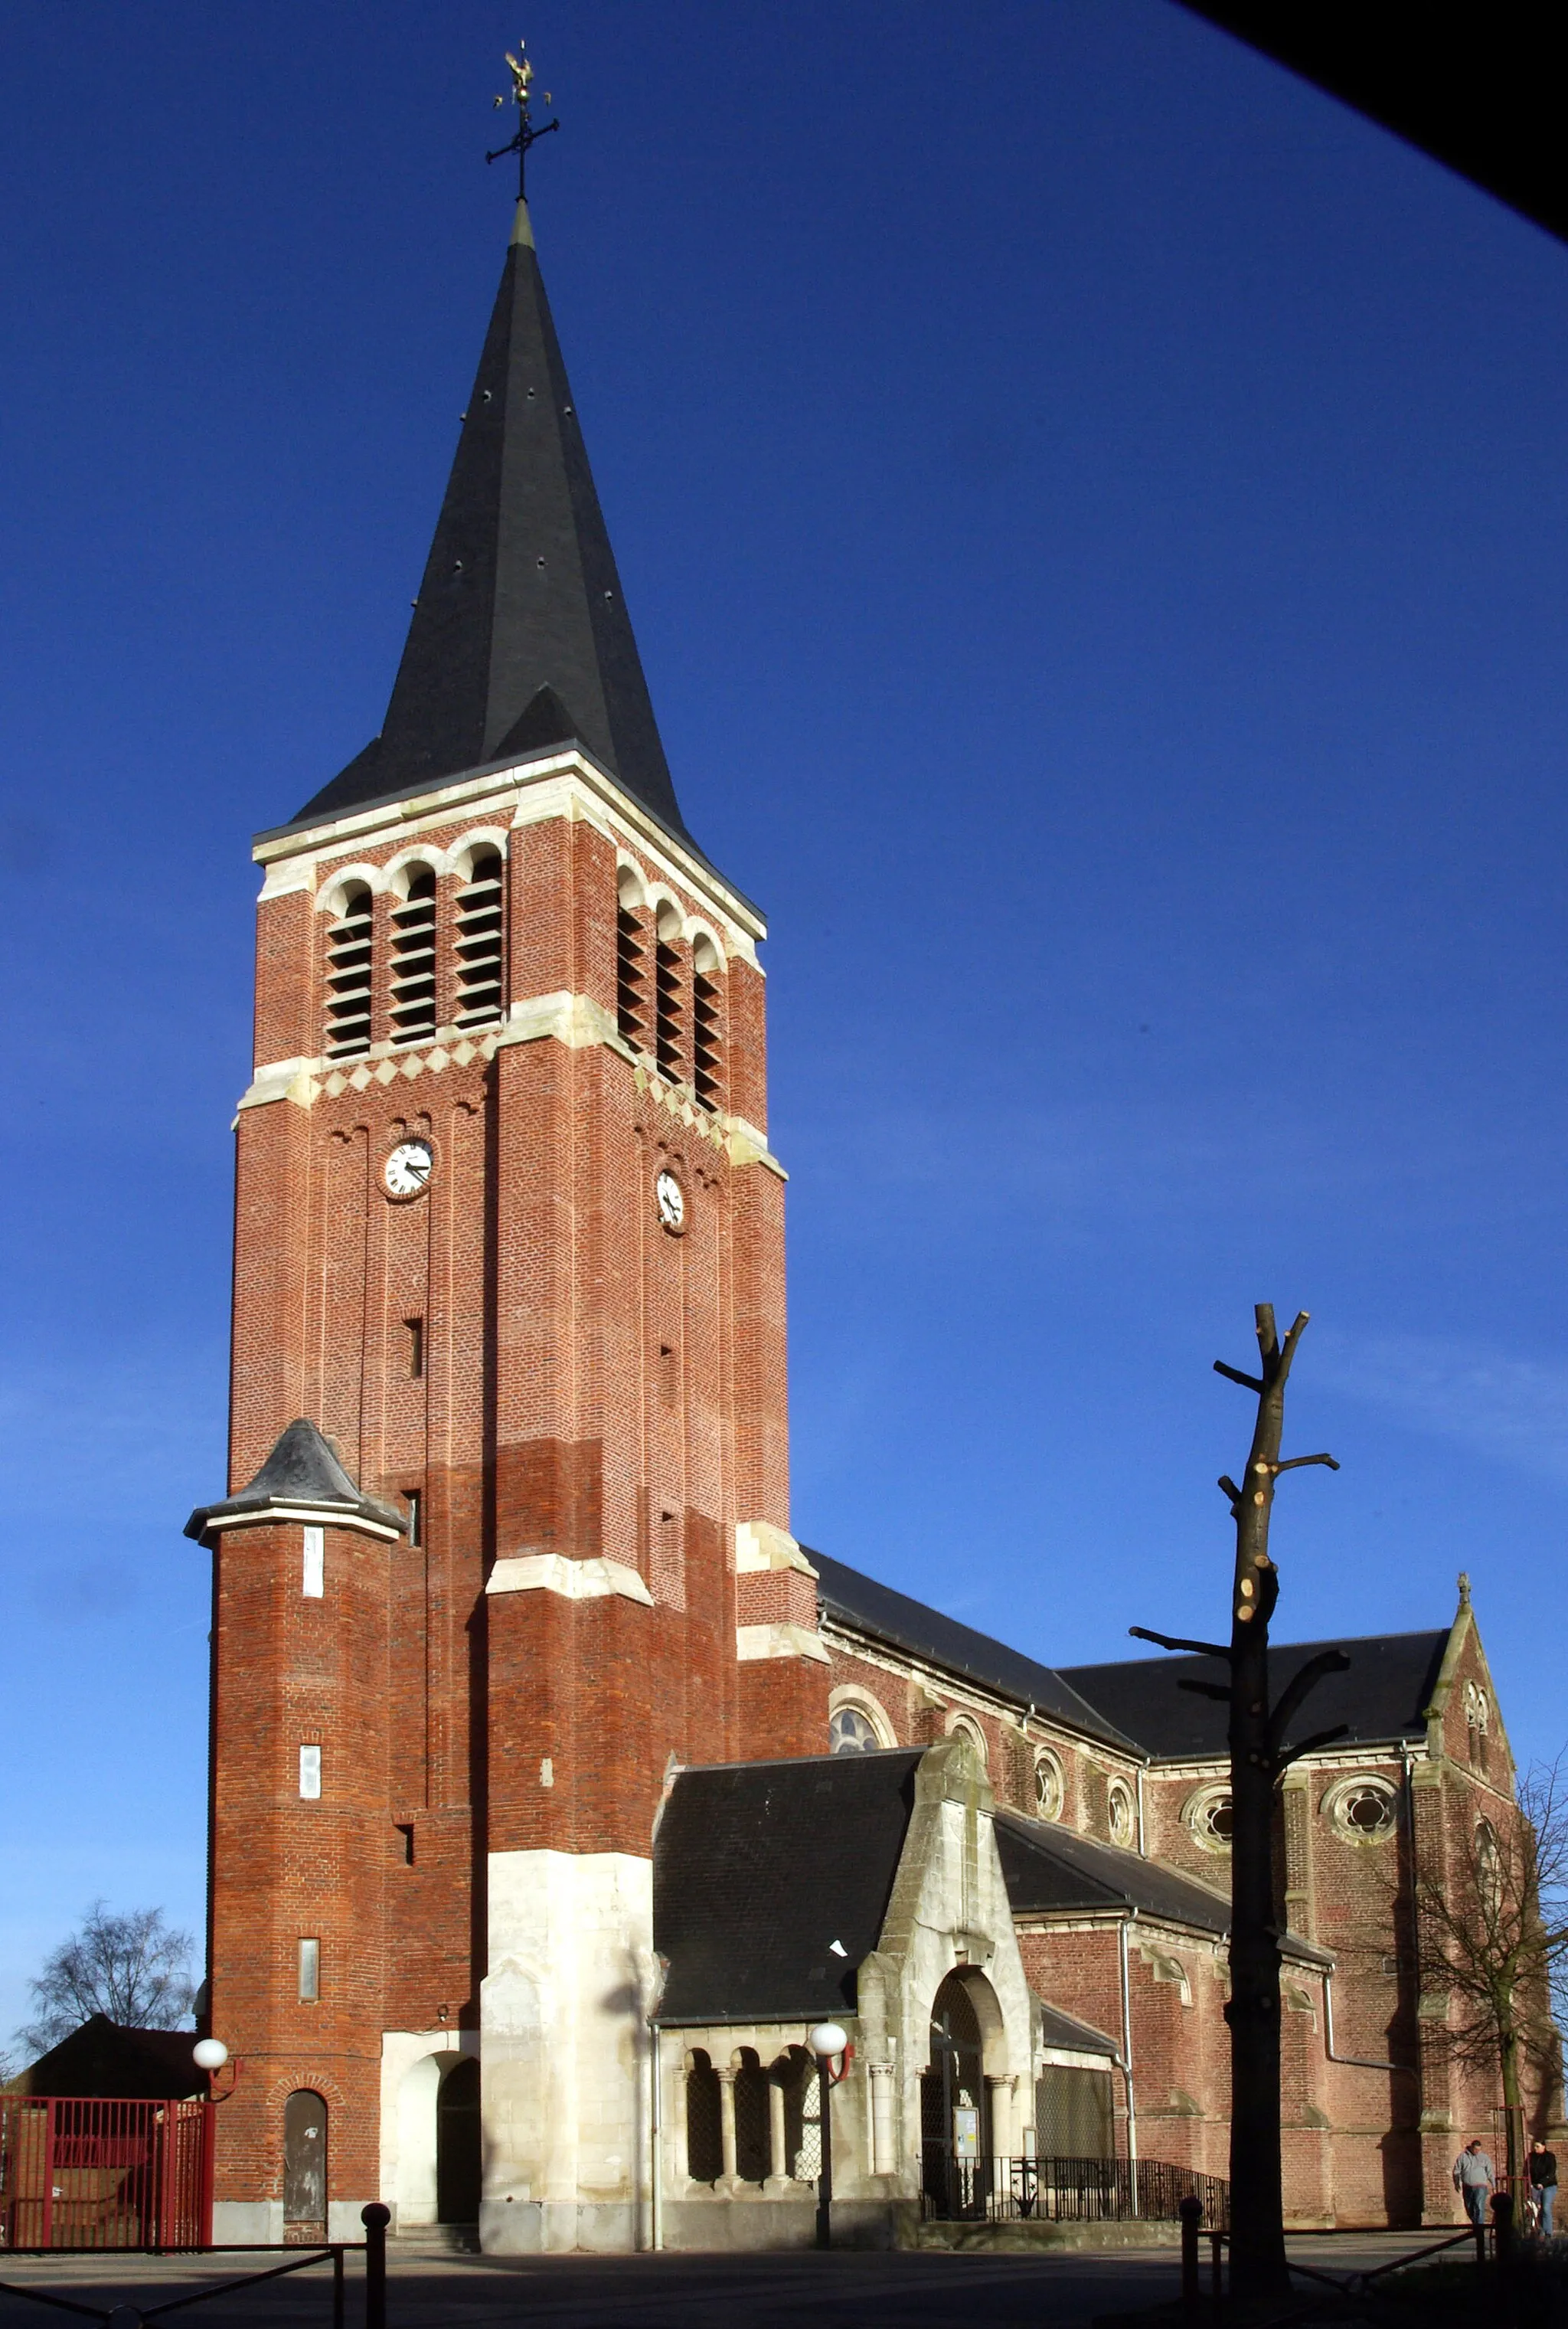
[{"x": 89, "y": 2172}]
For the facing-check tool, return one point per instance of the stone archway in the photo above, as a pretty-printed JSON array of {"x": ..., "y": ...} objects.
[
  {"x": 967, "y": 2042},
  {"x": 459, "y": 2154}
]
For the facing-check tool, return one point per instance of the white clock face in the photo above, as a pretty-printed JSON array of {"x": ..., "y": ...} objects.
[
  {"x": 406, "y": 1170},
  {"x": 671, "y": 1201}
]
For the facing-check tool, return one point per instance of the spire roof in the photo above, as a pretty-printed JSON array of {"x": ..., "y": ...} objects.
[{"x": 520, "y": 640}]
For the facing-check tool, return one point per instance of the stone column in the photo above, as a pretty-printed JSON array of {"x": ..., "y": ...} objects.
[
  {"x": 778, "y": 2172},
  {"x": 884, "y": 2149},
  {"x": 726, "y": 2122}
]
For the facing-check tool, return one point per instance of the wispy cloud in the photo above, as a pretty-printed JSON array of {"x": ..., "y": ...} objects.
[{"x": 1513, "y": 1409}]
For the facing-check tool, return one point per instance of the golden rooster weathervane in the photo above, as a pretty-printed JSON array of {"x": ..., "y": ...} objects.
[{"x": 527, "y": 135}]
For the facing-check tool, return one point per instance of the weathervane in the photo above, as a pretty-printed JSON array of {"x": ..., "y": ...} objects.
[{"x": 521, "y": 80}]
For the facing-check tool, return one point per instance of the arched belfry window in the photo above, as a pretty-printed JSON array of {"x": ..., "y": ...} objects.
[
  {"x": 414, "y": 960},
  {"x": 669, "y": 1011},
  {"x": 349, "y": 953},
  {"x": 631, "y": 963},
  {"x": 478, "y": 941},
  {"x": 706, "y": 1029}
]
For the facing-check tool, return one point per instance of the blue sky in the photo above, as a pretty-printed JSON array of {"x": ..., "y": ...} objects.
[{"x": 1094, "y": 514}]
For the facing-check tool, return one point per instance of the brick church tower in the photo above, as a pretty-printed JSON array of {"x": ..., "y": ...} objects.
[{"x": 508, "y": 1527}]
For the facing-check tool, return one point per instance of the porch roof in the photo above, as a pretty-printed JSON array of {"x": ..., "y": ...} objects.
[{"x": 760, "y": 1868}]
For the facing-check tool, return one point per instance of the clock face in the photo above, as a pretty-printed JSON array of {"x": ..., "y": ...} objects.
[
  {"x": 672, "y": 1201},
  {"x": 406, "y": 1170}
]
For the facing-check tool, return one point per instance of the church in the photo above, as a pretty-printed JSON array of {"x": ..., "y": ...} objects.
[{"x": 558, "y": 1791}]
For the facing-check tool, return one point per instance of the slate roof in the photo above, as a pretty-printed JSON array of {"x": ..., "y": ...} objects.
[
  {"x": 759, "y": 1867},
  {"x": 1054, "y": 1869},
  {"x": 1062, "y": 2030},
  {"x": 301, "y": 1470},
  {"x": 519, "y": 639},
  {"x": 897, "y": 1619},
  {"x": 1382, "y": 1698},
  {"x": 112, "y": 2057}
]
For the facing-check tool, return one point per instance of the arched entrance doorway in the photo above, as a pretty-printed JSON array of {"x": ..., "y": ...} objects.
[
  {"x": 304, "y": 2166},
  {"x": 457, "y": 2145},
  {"x": 955, "y": 2134}
]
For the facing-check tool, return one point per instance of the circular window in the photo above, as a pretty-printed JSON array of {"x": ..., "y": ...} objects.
[
  {"x": 1119, "y": 1813},
  {"x": 1210, "y": 1816},
  {"x": 1363, "y": 1810},
  {"x": 1049, "y": 1790},
  {"x": 850, "y": 1732}
]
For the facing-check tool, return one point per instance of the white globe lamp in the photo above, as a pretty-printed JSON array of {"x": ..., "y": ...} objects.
[
  {"x": 829, "y": 2038},
  {"x": 210, "y": 2054}
]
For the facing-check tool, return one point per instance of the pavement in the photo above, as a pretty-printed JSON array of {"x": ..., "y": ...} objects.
[{"x": 857, "y": 2290}]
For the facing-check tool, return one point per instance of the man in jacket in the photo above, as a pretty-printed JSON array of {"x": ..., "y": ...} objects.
[{"x": 1473, "y": 2178}]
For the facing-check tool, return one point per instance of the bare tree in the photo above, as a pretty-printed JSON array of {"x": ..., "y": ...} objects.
[
  {"x": 1259, "y": 1754},
  {"x": 135, "y": 1968},
  {"x": 1491, "y": 1932}
]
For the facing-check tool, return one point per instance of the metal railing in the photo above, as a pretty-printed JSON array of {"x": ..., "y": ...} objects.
[
  {"x": 91, "y": 2172},
  {"x": 1067, "y": 2190},
  {"x": 125, "y": 2314}
]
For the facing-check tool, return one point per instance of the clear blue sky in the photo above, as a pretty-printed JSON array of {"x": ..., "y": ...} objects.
[{"x": 1093, "y": 516}]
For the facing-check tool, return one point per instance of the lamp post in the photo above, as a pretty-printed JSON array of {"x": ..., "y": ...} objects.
[{"x": 828, "y": 2038}]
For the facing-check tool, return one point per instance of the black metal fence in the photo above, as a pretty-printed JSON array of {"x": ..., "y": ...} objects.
[{"x": 1069, "y": 2191}]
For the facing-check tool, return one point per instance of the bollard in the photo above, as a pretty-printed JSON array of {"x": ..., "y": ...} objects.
[
  {"x": 1191, "y": 2213},
  {"x": 1503, "y": 2228},
  {"x": 375, "y": 2219}
]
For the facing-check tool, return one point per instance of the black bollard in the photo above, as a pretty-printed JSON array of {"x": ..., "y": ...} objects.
[
  {"x": 1191, "y": 2213},
  {"x": 1503, "y": 2228},
  {"x": 375, "y": 2219}
]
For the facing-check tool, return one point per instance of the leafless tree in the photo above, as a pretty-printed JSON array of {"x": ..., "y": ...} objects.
[
  {"x": 135, "y": 1968},
  {"x": 1491, "y": 1932},
  {"x": 1259, "y": 1752}
]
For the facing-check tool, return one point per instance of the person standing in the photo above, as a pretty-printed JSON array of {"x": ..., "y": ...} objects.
[
  {"x": 1474, "y": 2177},
  {"x": 1544, "y": 2183}
]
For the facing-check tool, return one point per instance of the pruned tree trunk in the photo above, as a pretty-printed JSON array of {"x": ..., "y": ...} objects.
[{"x": 1258, "y": 1756}]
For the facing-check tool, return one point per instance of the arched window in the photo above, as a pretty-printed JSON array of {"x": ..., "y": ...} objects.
[
  {"x": 1120, "y": 1815},
  {"x": 668, "y": 1007},
  {"x": 1489, "y": 1868},
  {"x": 850, "y": 1732},
  {"x": 706, "y": 1033},
  {"x": 704, "y": 2134},
  {"x": 414, "y": 961},
  {"x": 961, "y": 1727},
  {"x": 347, "y": 975},
  {"x": 797, "y": 2072},
  {"x": 631, "y": 964},
  {"x": 752, "y": 2134},
  {"x": 1050, "y": 1785},
  {"x": 478, "y": 941}
]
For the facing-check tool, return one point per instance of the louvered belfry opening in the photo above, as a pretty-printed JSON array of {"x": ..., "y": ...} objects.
[
  {"x": 668, "y": 1013},
  {"x": 631, "y": 977},
  {"x": 349, "y": 957},
  {"x": 705, "y": 1035},
  {"x": 478, "y": 943},
  {"x": 414, "y": 961}
]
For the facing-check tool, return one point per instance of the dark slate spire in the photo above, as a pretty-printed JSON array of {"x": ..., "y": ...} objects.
[
  {"x": 521, "y": 637},
  {"x": 301, "y": 1474}
]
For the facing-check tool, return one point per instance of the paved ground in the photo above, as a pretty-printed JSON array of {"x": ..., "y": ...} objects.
[{"x": 431, "y": 2287}]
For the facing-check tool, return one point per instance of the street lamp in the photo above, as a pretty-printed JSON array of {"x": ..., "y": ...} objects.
[
  {"x": 828, "y": 2038},
  {"x": 210, "y": 2054}
]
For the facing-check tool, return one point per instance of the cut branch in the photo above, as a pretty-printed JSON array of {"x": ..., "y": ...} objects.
[
  {"x": 1309, "y": 1746},
  {"x": 1304, "y": 1681},
  {"x": 1176, "y": 1642},
  {"x": 1235, "y": 1374},
  {"x": 1294, "y": 1463},
  {"x": 1216, "y": 1689},
  {"x": 1231, "y": 1490}
]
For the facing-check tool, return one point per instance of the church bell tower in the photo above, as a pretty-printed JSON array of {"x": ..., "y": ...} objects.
[{"x": 508, "y": 1533}]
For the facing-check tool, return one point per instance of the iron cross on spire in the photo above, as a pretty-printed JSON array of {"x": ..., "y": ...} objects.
[{"x": 527, "y": 135}]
